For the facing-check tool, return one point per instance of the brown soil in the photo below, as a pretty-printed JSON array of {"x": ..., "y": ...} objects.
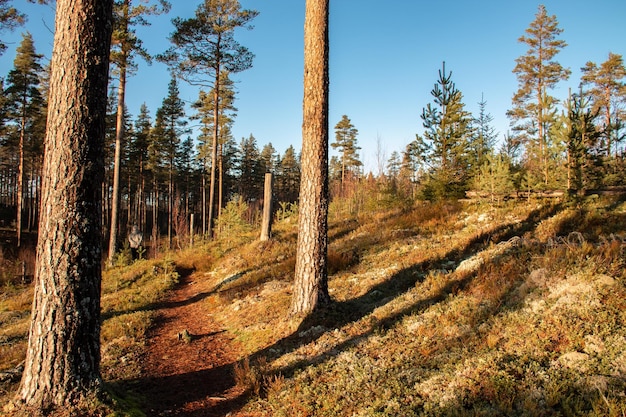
[{"x": 189, "y": 377}]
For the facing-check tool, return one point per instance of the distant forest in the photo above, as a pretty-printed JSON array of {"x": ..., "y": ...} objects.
[{"x": 165, "y": 169}]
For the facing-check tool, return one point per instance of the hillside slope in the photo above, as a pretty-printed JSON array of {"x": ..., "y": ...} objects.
[{"x": 439, "y": 309}]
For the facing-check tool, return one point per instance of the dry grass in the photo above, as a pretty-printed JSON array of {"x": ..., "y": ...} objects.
[{"x": 439, "y": 310}]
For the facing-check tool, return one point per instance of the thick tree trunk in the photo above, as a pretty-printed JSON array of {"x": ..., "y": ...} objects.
[
  {"x": 63, "y": 356},
  {"x": 311, "y": 279}
]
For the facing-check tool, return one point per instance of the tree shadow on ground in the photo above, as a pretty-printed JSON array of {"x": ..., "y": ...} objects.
[{"x": 339, "y": 314}]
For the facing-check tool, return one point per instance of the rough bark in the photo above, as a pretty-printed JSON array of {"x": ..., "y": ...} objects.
[
  {"x": 311, "y": 279},
  {"x": 63, "y": 356},
  {"x": 266, "y": 224}
]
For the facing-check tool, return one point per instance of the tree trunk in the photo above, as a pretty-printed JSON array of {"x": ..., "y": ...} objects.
[
  {"x": 20, "y": 181},
  {"x": 266, "y": 224},
  {"x": 119, "y": 135},
  {"x": 63, "y": 356},
  {"x": 214, "y": 147},
  {"x": 311, "y": 279}
]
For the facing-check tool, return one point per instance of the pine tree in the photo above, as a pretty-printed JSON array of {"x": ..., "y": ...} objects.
[
  {"x": 311, "y": 274},
  {"x": 62, "y": 367},
  {"x": 608, "y": 91},
  {"x": 537, "y": 72},
  {"x": 203, "y": 47},
  {"x": 10, "y": 18},
  {"x": 345, "y": 142},
  {"x": 494, "y": 177},
  {"x": 205, "y": 107},
  {"x": 124, "y": 47},
  {"x": 25, "y": 104},
  {"x": 446, "y": 139}
]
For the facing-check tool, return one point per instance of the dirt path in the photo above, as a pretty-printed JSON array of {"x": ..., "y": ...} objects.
[{"x": 189, "y": 376}]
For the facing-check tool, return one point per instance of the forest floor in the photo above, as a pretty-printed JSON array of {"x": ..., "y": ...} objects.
[{"x": 188, "y": 375}]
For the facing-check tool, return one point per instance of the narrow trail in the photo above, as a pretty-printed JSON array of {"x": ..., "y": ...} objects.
[{"x": 193, "y": 376}]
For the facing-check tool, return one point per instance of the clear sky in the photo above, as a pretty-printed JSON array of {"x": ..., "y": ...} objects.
[{"x": 384, "y": 61}]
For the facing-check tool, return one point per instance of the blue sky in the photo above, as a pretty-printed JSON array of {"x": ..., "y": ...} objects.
[{"x": 384, "y": 61}]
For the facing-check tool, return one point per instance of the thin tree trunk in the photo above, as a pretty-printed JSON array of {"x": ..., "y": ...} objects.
[
  {"x": 214, "y": 147},
  {"x": 20, "y": 181},
  {"x": 266, "y": 224},
  {"x": 311, "y": 277},
  {"x": 119, "y": 136},
  {"x": 220, "y": 200},
  {"x": 62, "y": 365}
]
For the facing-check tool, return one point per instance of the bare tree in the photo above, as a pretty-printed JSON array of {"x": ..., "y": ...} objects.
[
  {"x": 311, "y": 276},
  {"x": 63, "y": 357}
]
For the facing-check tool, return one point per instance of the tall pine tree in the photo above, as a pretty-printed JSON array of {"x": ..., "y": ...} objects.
[
  {"x": 533, "y": 108},
  {"x": 26, "y": 111},
  {"x": 607, "y": 84},
  {"x": 203, "y": 47}
]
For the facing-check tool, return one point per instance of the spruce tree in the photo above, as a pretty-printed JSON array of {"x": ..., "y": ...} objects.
[
  {"x": 250, "y": 170},
  {"x": 172, "y": 125},
  {"x": 288, "y": 179},
  {"x": 484, "y": 137},
  {"x": 138, "y": 157}
]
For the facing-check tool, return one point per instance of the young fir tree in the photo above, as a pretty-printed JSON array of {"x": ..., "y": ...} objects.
[
  {"x": 203, "y": 47},
  {"x": 446, "y": 139},
  {"x": 581, "y": 138},
  {"x": 533, "y": 108},
  {"x": 25, "y": 104},
  {"x": 484, "y": 137},
  {"x": 607, "y": 84}
]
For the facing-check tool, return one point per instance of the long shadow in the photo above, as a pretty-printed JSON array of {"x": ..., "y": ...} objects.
[
  {"x": 337, "y": 315},
  {"x": 160, "y": 305},
  {"x": 207, "y": 385}
]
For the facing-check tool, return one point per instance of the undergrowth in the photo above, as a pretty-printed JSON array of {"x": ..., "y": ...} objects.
[{"x": 445, "y": 309}]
